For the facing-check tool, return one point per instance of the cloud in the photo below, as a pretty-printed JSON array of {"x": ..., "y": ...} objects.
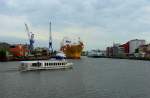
[
  {"x": 99, "y": 23},
  {"x": 12, "y": 26}
]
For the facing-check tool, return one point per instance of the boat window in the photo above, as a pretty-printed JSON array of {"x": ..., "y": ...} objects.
[
  {"x": 38, "y": 64},
  {"x": 34, "y": 64}
]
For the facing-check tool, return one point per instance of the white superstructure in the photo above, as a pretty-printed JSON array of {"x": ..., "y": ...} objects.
[
  {"x": 134, "y": 44},
  {"x": 60, "y": 54},
  {"x": 69, "y": 41},
  {"x": 44, "y": 64}
]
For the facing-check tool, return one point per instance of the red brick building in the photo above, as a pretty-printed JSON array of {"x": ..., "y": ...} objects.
[{"x": 125, "y": 48}]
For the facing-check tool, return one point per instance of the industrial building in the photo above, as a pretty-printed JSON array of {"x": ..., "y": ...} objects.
[
  {"x": 144, "y": 51},
  {"x": 19, "y": 50},
  {"x": 125, "y": 50},
  {"x": 134, "y": 44}
]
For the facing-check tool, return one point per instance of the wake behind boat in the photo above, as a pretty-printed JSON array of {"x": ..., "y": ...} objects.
[{"x": 44, "y": 65}]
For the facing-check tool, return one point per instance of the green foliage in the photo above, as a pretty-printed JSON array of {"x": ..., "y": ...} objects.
[{"x": 3, "y": 53}]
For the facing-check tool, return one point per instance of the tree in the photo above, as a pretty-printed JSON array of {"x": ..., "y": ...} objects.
[{"x": 2, "y": 53}]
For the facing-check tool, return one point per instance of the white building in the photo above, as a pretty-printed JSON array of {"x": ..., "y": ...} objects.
[{"x": 134, "y": 44}]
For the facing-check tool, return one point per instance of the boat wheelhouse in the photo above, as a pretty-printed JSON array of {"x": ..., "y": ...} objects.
[{"x": 44, "y": 64}]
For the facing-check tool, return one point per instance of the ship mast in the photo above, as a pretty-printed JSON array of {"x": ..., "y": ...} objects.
[{"x": 50, "y": 38}]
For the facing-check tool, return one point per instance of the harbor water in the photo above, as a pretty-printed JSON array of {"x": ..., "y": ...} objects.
[{"x": 89, "y": 78}]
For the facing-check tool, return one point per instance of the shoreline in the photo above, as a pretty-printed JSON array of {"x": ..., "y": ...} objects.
[{"x": 130, "y": 58}]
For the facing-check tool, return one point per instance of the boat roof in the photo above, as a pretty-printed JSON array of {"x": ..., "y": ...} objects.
[{"x": 41, "y": 61}]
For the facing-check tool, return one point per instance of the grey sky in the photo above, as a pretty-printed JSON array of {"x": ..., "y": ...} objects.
[{"x": 98, "y": 23}]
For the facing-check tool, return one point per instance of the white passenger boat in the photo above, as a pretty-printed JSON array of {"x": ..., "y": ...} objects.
[{"x": 44, "y": 65}]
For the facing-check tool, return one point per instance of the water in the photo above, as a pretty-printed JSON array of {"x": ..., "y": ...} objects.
[{"x": 89, "y": 78}]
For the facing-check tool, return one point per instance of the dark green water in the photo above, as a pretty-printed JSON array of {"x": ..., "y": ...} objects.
[{"x": 89, "y": 78}]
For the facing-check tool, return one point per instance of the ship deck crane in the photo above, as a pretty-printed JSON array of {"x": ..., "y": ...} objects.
[{"x": 30, "y": 38}]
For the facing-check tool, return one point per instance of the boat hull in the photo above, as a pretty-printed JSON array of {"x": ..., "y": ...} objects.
[
  {"x": 49, "y": 68},
  {"x": 43, "y": 65},
  {"x": 72, "y": 51}
]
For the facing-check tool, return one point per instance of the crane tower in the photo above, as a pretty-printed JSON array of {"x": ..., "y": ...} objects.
[
  {"x": 30, "y": 38},
  {"x": 50, "y": 38}
]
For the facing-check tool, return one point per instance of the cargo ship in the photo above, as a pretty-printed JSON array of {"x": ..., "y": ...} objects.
[{"x": 72, "y": 49}]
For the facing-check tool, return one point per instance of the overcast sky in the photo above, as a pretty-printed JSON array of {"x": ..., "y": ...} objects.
[{"x": 99, "y": 23}]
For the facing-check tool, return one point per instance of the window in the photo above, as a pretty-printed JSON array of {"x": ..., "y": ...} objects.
[
  {"x": 34, "y": 64},
  {"x": 38, "y": 64}
]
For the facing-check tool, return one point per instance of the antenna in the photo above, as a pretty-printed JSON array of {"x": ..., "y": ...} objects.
[{"x": 50, "y": 38}]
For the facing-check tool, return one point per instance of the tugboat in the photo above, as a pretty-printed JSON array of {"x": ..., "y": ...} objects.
[{"x": 60, "y": 55}]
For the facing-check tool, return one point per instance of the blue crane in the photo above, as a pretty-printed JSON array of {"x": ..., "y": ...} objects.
[{"x": 30, "y": 38}]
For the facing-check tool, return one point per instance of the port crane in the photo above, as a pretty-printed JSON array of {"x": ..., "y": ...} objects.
[
  {"x": 50, "y": 38},
  {"x": 30, "y": 38}
]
